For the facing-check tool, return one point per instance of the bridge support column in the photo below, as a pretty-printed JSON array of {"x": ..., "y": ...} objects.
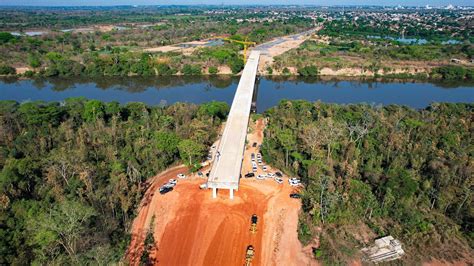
[
  {"x": 214, "y": 192},
  {"x": 231, "y": 193}
]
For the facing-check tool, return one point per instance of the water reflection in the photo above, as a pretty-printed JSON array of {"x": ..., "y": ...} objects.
[
  {"x": 199, "y": 89},
  {"x": 130, "y": 84}
]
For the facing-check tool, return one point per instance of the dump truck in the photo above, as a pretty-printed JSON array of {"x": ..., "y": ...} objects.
[
  {"x": 249, "y": 255},
  {"x": 253, "y": 224}
]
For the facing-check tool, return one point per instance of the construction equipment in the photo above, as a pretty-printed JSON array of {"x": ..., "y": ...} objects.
[
  {"x": 253, "y": 225},
  {"x": 245, "y": 43},
  {"x": 249, "y": 255}
]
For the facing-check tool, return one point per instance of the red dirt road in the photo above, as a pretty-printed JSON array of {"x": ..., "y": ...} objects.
[{"x": 191, "y": 228}]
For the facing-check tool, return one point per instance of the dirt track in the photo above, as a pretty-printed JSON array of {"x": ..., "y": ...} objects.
[{"x": 191, "y": 228}]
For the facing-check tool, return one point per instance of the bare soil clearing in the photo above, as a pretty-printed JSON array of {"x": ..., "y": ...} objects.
[{"x": 191, "y": 228}]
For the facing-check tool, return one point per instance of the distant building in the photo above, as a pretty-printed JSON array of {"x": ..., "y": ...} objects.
[{"x": 385, "y": 249}]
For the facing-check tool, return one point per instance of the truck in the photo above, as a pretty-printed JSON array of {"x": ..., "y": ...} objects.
[
  {"x": 249, "y": 255},
  {"x": 253, "y": 224}
]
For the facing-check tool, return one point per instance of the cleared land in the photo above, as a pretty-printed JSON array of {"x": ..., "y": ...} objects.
[{"x": 191, "y": 228}]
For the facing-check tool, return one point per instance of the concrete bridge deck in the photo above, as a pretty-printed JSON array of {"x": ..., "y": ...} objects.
[{"x": 227, "y": 165}]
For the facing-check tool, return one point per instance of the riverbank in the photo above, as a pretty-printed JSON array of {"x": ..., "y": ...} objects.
[{"x": 326, "y": 74}]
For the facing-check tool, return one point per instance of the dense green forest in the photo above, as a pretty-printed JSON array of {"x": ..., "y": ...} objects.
[
  {"x": 372, "y": 171},
  {"x": 72, "y": 173}
]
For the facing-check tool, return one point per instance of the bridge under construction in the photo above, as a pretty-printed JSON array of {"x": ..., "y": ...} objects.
[{"x": 227, "y": 164}]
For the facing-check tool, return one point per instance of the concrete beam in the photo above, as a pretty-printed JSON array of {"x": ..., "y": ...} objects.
[{"x": 225, "y": 171}]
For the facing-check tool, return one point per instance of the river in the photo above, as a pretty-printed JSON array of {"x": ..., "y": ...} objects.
[{"x": 168, "y": 90}]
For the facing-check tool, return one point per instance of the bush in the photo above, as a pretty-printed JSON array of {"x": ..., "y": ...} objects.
[
  {"x": 29, "y": 73},
  {"x": 212, "y": 70},
  {"x": 164, "y": 70},
  {"x": 270, "y": 71},
  {"x": 236, "y": 65},
  {"x": 7, "y": 70},
  {"x": 191, "y": 70},
  {"x": 6, "y": 37},
  {"x": 451, "y": 72},
  {"x": 308, "y": 71},
  {"x": 285, "y": 71}
]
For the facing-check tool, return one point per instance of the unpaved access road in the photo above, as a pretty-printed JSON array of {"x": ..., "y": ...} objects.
[{"x": 191, "y": 228}]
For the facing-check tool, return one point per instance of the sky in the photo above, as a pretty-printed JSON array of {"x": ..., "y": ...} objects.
[{"x": 239, "y": 2}]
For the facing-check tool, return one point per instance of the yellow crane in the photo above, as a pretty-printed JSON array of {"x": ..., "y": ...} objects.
[{"x": 244, "y": 43}]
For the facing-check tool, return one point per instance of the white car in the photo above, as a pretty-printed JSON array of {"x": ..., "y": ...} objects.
[
  {"x": 173, "y": 181},
  {"x": 168, "y": 185},
  {"x": 260, "y": 162},
  {"x": 261, "y": 177},
  {"x": 278, "y": 180},
  {"x": 203, "y": 186},
  {"x": 181, "y": 176},
  {"x": 264, "y": 168},
  {"x": 254, "y": 169},
  {"x": 271, "y": 175},
  {"x": 294, "y": 182}
]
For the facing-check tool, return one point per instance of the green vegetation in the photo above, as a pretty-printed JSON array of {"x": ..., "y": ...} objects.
[
  {"x": 374, "y": 171},
  {"x": 308, "y": 71},
  {"x": 379, "y": 58},
  {"x": 73, "y": 174},
  {"x": 453, "y": 73},
  {"x": 7, "y": 70},
  {"x": 107, "y": 51},
  {"x": 191, "y": 70}
]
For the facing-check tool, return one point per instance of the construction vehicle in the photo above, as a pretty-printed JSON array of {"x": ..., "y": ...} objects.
[
  {"x": 245, "y": 43},
  {"x": 253, "y": 225},
  {"x": 249, "y": 255}
]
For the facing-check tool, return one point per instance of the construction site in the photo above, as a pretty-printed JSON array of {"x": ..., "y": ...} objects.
[{"x": 257, "y": 227}]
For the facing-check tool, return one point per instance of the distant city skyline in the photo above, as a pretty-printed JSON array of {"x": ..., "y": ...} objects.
[{"x": 233, "y": 2}]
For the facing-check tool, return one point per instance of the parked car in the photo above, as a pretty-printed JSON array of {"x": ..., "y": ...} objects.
[
  {"x": 200, "y": 174},
  {"x": 203, "y": 186},
  {"x": 294, "y": 182},
  {"x": 261, "y": 177},
  {"x": 278, "y": 180},
  {"x": 164, "y": 190},
  {"x": 254, "y": 144},
  {"x": 254, "y": 169},
  {"x": 248, "y": 175},
  {"x": 207, "y": 174},
  {"x": 181, "y": 176},
  {"x": 173, "y": 181},
  {"x": 278, "y": 174},
  {"x": 295, "y": 195},
  {"x": 168, "y": 185},
  {"x": 264, "y": 168},
  {"x": 271, "y": 175}
]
